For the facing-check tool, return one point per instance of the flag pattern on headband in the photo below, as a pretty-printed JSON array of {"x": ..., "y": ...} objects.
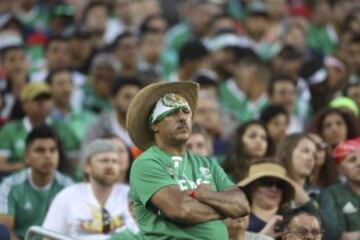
[
  {"x": 167, "y": 105},
  {"x": 345, "y": 148}
]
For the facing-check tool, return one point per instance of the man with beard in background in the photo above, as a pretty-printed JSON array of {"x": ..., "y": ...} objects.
[{"x": 97, "y": 208}]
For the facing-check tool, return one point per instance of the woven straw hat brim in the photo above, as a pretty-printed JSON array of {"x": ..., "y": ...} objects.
[
  {"x": 290, "y": 187},
  {"x": 137, "y": 118}
]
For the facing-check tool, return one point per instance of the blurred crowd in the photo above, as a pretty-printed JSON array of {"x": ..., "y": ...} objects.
[{"x": 278, "y": 108}]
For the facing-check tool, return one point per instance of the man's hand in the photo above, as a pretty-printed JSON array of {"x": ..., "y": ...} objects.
[
  {"x": 230, "y": 203},
  {"x": 269, "y": 228},
  {"x": 181, "y": 207}
]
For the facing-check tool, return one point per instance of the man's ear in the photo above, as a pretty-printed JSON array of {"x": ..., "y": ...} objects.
[
  {"x": 154, "y": 127},
  {"x": 86, "y": 166}
]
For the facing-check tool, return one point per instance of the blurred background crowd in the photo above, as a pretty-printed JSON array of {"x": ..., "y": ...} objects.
[{"x": 279, "y": 83}]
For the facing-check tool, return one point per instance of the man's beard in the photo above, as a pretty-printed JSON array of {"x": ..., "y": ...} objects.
[{"x": 104, "y": 180}]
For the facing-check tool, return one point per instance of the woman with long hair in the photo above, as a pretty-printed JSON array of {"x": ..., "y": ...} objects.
[
  {"x": 325, "y": 171},
  {"x": 297, "y": 154},
  {"x": 249, "y": 144}
]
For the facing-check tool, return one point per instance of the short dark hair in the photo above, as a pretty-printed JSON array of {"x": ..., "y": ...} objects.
[
  {"x": 121, "y": 37},
  {"x": 49, "y": 78},
  {"x": 144, "y": 26},
  {"x": 93, "y": 4},
  {"x": 279, "y": 78},
  {"x": 124, "y": 81},
  {"x": 191, "y": 51},
  {"x": 54, "y": 39},
  {"x": 290, "y": 53},
  {"x": 271, "y": 111},
  {"x": 41, "y": 132}
]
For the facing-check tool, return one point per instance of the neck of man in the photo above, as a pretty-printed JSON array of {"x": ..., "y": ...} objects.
[
  {"x": 263, "y": 214},
  {"x": 40, "y": 180},
  {"x": 355, "y": 187},
  {"x": 255, "y": 92},
  {"x": 62, "y": 106},
  {"x": 35, "y": 122},
  {"x": 176, "y": 149},
  {"x": 101, "y": 191},
  {"x": 121, "y": 118}
]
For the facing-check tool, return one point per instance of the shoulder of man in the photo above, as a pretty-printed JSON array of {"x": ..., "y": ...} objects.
[
  {"x": 13, "y": 180},
  {"x": 10, "y": 184},
  {"x": 11, "y": 126},
  {"x": 63, "y": 180}
]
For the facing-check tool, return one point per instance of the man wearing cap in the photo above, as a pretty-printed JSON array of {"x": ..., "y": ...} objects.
[
  {"x": 37, "y": 104},
  {"x": 176, "y": 194},
  {"x": 25, "y": 196},
  {"x": 97, "y": 208},
  {"x": 347, "y": 195}
]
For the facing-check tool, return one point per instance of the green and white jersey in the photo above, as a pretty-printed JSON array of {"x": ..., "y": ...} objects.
[
  {"x": 155, "y": 169},
  {"x": 347, "y": 206},
  {"x": 234, "y": 100},
  {"x": 20, "y": 198},
  {"x": 14, "y": 133}
]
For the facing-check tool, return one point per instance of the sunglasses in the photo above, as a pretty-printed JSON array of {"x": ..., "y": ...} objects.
[{"x": 272, "y": 182}]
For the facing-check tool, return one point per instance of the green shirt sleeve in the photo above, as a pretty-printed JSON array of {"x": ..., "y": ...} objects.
[
  {"x": 222, "y": 181},
  {"x": 5, "y": 142},
  {"x": 7, "y": 200},
  {"x": 147, "y": 177},
  {"x": 125, "y": 235}
]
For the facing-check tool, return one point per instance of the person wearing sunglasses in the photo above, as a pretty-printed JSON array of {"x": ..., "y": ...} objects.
[{"x": 268, "y": 190}]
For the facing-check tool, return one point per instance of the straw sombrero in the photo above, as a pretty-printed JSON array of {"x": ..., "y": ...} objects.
[
  {"x": 265, "y": 170},
  {"x": 137, "y": 117}
]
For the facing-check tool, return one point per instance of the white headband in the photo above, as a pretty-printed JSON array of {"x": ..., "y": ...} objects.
[{"x": 166, "y": 106}]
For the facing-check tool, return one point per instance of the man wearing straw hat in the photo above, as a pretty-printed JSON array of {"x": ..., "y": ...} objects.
[{"x": 176, "y": 194}]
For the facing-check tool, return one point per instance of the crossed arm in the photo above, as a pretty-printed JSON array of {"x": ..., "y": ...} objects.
[
  {"x": 208, "y": 205},
  {"x": 8, "y": 221}
]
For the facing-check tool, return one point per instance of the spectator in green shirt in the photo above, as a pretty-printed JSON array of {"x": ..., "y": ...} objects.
[
  {"x": 25, "y": 196},
  {"x": 37, "y": 104},
  {"x": 176, "y": 194},
  {"x": 347, "y": 195}
]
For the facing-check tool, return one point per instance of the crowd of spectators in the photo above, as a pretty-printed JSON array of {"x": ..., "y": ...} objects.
[{"x": 278, "y": 109}]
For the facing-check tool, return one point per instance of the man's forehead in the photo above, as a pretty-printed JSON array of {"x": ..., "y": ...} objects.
[
  {"x": 304, "y": 220},
  {"x": 43, "y": 142}
]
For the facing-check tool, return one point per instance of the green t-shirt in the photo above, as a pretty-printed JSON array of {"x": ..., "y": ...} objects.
[
  {"x": 154, "y": 170},
  {"x": 27, "y": 203},
  {"x": 322, "y": 38},
  {"x": 347, "y": 206},
  {"x": 125, "y": 235},
  {"x": 234, "y": 100},
  {"x": 78, "y": 121},
  {"x": 94, "y": 103},
  {"x": 14, "y": 133}
]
